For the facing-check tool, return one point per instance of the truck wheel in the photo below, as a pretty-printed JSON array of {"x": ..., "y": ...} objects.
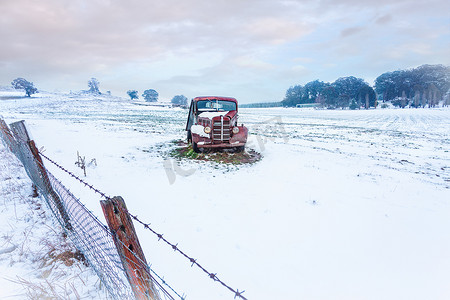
[
  {"x": 239, "y": 149},
  {"x": 189, "y": 137},
  {"x": 195, "y": 147}
]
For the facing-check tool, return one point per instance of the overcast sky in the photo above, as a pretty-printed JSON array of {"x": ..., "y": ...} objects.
[{"x": 253, "y": 50}]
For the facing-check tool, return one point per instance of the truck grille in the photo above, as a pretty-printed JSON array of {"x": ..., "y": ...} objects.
[{"x": 221, "y": 130}]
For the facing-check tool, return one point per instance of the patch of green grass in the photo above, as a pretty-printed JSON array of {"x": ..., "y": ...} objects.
[{"x": 218, "y": 156}]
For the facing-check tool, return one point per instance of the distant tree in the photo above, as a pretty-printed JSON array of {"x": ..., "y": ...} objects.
[
  {"x": 385, "y": 87},
  {"x": 447, "y": 98},
  {"x": 340, "y": 93},
  {"x": 366, "y": 96},
  {"x": 150, "y": 95},
  {"x": 392, "y": 84},
  {"x": 399, "y": 102},
  {"x": 430, "y": 81},
  {"x": 343, "y": 100},
  {"x": 416, "y": 101},
  {"x": 294, "y": 95},
  {"x": 93, "y": 85},
  {"x": 404, "y": 100},
  {"x": 180, "y": 100},
  {"x": 434, "y": 95},
  {"x": 348, "y": 88},
  {"x": 261, "y": 105},
  {"x": 329, "y": 96},
  {"x": 133, "y": 94},
  {"x": 424, "y": 85},
  {"x": 435, "y": 77},
  {"x": 354, "y": 105},
  {"x": 312, "y": 90},
  {"x": 23, "y": 84}
]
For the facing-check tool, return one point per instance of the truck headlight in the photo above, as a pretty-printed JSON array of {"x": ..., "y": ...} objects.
[
  {"x": 235, "y": 129},
  {"x": 207, "y": 129}
]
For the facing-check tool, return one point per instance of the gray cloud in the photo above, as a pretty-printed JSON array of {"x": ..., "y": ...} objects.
[
  {"x": 351, "y": 31},
  {"x": 385, "y": 19}
]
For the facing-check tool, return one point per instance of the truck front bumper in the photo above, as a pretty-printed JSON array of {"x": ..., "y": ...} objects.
[{"x": 221, "y": 145}]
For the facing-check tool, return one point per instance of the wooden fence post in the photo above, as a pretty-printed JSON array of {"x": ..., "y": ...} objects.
[
  {"x": 8, "y": 137},
  {"x": 129, "y": 248},
  {"x": 20, "y": 131}
]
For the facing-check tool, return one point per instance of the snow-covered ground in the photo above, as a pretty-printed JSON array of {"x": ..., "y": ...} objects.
[
  {"x": 343, "y": 205},
  {"x": 36, "y": 260}
]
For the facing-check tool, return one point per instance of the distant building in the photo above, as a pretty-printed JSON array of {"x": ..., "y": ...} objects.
[{"x": 308, "y": 105}]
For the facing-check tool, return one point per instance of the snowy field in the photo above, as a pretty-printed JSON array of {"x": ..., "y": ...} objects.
[
  {"x": 343, "y": 205},
  {"x": 36, "y": 261}
]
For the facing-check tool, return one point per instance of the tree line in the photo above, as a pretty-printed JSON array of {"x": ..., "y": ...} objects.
[
  {"x": 149, "y": 95},
  {"x": 418, "y": 87},
  {"x": 29, "y": 88},
  {"x": 152, "y": 96},
  {"x": 426, "y": 85},
  {"x": 344, "y": 92}
]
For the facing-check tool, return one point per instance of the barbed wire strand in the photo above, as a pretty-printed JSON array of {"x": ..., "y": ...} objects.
[
  {"x": 75, "y": 176},
  {"x": 13, "y": 142},
  {"x": 87, "y": 233},
  {"x": 112, "y": 233},
  {"x": 213, "y": 276},
  {"x": 150, "y": 270}
]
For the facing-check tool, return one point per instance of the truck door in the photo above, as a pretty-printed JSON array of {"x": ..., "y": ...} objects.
[{"x": 191, "y": 117}]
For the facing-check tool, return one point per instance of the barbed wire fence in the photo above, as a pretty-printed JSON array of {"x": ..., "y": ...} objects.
[
  {"x": 147, "y": 226},
  {"x": 119, "y": 265},
  {"x": 90, "y": 236}
]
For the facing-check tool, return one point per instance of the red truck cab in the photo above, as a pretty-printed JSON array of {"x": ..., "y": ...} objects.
[{"x": 212, "y": 123}]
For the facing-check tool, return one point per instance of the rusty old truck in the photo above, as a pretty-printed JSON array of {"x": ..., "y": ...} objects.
[{"x": 213, "y": 123}]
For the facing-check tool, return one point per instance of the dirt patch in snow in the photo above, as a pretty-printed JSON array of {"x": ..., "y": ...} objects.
[{"x": 221, "y": 156}]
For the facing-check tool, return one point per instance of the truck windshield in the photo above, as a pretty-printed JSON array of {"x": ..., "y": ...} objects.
[{"x": 215, "y": 105}]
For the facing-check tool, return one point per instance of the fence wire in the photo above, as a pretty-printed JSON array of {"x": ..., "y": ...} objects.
[
  {"x": 90, "y": 236},
  {"x": 87, "y": 233},
  {"x": 194, "y": 262}
]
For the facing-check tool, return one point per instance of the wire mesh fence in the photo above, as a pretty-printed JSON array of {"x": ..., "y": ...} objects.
[
  {"x": 90, "y": 236},
  {"x": 87, "y": 233},
  {"x": 121, "y": 267}
]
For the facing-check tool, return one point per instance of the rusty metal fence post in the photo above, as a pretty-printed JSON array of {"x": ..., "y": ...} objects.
[{"x": 129, "y": 248}]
